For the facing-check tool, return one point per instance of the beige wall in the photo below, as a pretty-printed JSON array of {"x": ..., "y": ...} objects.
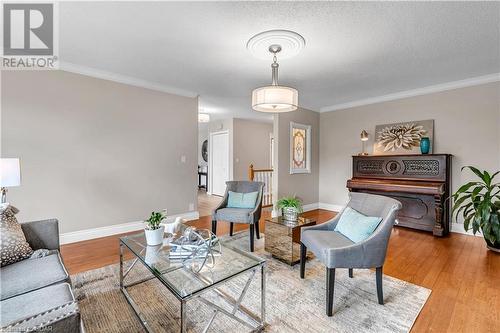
[
  {"x": 466, "y": 124},
  {"x": 96, "y": 153},
  {"x": 251, "y": 145},
  {"x": 305, "y": 186}
]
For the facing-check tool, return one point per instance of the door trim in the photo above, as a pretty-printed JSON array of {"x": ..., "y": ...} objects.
[{"x": 210, "y": 158}]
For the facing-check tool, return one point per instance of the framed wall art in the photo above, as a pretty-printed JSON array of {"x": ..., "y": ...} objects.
[
  {"x": 402, "y": 138},
  {"x": 300, "y": 148}
]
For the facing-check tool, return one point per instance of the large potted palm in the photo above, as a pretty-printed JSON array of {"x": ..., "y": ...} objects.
[{"x": 478, "y": 202}]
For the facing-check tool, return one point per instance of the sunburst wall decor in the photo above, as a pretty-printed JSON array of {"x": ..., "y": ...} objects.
[{"x": 402, "y": 138}]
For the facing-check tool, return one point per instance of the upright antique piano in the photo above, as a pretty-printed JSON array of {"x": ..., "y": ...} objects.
[{"x": 420, "y": 182}]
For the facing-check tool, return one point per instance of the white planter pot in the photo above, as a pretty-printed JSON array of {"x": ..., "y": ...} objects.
[
  {"x": 155, "y": 237},
  {"x": 152, "y": 251}
]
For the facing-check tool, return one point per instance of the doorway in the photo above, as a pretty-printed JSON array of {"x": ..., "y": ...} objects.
[{"x": 218, "y": 162}]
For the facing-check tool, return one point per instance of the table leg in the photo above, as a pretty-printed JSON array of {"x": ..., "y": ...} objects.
[
  {"x": 121, "y": 265},
  {"x": 183, "y": 317},
  {"x": 263, "y": 294}
]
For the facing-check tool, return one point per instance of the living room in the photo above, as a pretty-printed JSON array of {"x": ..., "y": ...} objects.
[{"x": 360, "y": 143}]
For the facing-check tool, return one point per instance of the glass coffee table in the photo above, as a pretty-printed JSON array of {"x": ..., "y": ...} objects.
[
  {"x": 185, "y": 284},
  {"x": 283, "y": 238}
]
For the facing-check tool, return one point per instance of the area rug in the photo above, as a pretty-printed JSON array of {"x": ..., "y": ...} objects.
[{"x": 292, "y": 304}]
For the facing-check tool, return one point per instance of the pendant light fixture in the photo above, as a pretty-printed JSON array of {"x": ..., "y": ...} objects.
[{"x": 275, "y": 98}]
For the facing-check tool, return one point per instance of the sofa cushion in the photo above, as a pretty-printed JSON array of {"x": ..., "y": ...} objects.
[
  {"x": 31, "y": 274},
  {"x": 13, "y": 244},
  {"x": 241, "y": 215},
  {"x": 52, "y": 307}
]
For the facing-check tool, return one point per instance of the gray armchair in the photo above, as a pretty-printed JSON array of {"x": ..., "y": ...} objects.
[
  {"x": 337, "y": 251},
  {"x": 240, "y": 215}
]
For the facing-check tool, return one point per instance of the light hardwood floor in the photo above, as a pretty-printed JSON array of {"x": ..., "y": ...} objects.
[
  {"x": 207, "y": 203},
  {"x": 463, "y": 275}
]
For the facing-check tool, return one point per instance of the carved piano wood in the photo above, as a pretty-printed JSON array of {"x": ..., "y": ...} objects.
[{"x": 420, "y": 182}]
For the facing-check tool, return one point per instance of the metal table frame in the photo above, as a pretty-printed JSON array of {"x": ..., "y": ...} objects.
[{"x": 254, "y": 322}]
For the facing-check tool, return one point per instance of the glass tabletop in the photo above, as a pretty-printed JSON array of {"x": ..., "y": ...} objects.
[{"x": 174, "y": 273}]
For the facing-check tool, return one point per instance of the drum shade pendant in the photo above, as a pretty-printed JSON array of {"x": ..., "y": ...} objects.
[{"x": 275, "y": 98}]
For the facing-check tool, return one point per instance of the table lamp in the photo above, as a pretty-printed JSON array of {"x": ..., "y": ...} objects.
[
  {"x": 10, "y": 175},
  {"x": 364, "y": 138}
]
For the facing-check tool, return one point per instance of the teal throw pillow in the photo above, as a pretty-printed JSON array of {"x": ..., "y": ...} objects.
[
  {"x": 242, "y": 200},
  {"x": 356, "y": 226}
]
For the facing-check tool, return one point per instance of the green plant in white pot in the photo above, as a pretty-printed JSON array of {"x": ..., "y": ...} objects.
[
  {"x": 478, "y": 202},
  {"x": 154, "y": 229},
  {"x": 290, "y": 207}
]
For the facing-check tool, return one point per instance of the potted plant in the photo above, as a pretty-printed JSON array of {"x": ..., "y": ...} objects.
[
  {"x": 290, "y": 208},
  {"x": 154, "y": 229},
  {"x": 478, "y": 202}
]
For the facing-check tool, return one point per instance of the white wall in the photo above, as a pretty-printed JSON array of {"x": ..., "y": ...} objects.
[
  {"x": 304, "y": 186},
  {"x": 466, "y": 124},
  {"x": 251, "y": 145},
  {"x": 96, "y": 153}
]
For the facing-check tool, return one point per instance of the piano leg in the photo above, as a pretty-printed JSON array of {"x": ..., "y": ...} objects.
[{"x": 438, "y": 229}]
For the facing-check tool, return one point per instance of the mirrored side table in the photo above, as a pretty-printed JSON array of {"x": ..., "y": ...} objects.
[{"x": 283, "y": 238}]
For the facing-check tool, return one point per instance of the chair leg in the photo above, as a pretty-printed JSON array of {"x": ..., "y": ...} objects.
[
  {"x": 350, "y": 273},
  {"x": 252, "y": 236},
  {"x": 303, "y": 253},
  {"x": 380, "y": 293},
  {"x": 214, "y": 226},
  {"x": 231, "y": 227},
  {"x": 330, "y": 284},
  {"x": 257, "y": 232}
]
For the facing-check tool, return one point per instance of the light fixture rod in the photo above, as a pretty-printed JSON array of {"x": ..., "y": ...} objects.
[{"x": 274, "y": 49}]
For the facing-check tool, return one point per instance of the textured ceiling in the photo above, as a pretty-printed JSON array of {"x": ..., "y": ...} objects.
[{"x": 354, "y": 50}]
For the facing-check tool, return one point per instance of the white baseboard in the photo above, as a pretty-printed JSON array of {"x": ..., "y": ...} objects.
[
  {"x": 81, "y": 235},
  {"x": 332, "y": 207},
  {"x": 310, "y": 207},
  {"x": 459, "y": 229}
]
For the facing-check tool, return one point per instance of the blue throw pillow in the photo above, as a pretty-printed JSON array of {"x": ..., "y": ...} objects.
[
  {"x": 242, "y": 200},
  {"x": 356, "y": 226}
]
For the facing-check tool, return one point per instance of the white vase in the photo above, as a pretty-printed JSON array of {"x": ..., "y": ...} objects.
[{"x": 155, "y": 237}]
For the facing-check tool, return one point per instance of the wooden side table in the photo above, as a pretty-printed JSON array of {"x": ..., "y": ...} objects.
[{"x": 283, "y": 238}]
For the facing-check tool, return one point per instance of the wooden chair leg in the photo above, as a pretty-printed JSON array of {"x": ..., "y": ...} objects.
[
  {"x": 252, "y": 236},
  {"x": 231, "y": 227},
  {"x": 303, "y": 254},
  {"x": 214, "y": 226},
  {"x": 380, "y": 293},
  {"x": 257, "y": 232},
  {"x": 330, "y": 285},
  {"x": 350, "y": 273}
]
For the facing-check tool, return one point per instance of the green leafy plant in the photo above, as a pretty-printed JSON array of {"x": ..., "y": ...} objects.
[
  {"x": 290, "y": 202},
  {"x": 478, "y": 202},
  {"x": 153, "y": 222}
]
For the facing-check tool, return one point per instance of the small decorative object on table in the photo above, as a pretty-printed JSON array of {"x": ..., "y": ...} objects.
[
  {"x": 364, "y": 138},
  {"x": 425, "y": 145},
  {"x": 196, "y": 248},
  {"x": 290, "y": 208},
  {"x": 478, "y": 203},
  {"x": 154, "y": 230}
]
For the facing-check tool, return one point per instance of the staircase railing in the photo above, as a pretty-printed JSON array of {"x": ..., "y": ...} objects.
[{"x": 265, "y": 176}]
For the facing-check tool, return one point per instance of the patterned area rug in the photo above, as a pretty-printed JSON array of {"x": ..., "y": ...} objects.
[{"x": 292, "y": 304}]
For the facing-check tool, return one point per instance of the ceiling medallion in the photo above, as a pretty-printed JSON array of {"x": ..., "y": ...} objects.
[{"x": 275, "y": 98}]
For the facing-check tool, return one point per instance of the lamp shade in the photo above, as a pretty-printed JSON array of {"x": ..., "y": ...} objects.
[
  {"x": 10, "y": 173},
  {"x": 275, "y": 99}
]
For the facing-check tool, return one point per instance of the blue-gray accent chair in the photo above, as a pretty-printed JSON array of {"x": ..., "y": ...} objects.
[
  {"x": 337, "y": 251},
  {"x": 240, "y": 215}
]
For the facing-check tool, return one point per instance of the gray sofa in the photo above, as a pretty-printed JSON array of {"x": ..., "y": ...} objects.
[{"x": 36, "y": 294}]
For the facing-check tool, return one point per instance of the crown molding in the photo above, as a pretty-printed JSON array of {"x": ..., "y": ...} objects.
[
  {"x": 416, "y": 92},
  {"x": 129, "y": 80}
]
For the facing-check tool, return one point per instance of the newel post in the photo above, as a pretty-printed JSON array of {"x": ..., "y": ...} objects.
[{"x": 250, "y": 173}]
